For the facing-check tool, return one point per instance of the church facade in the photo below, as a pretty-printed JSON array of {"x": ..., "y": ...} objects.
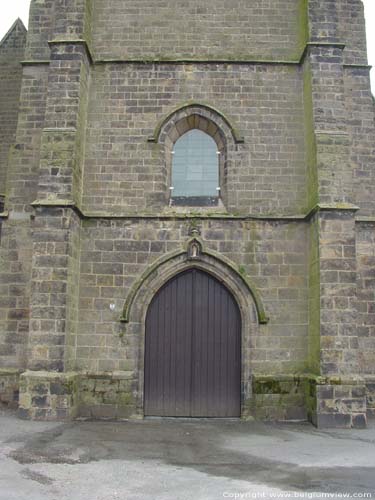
[{"x": 188, "y": 221}]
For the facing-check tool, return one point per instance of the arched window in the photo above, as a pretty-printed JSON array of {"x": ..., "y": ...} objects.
[
  {"x": 198, "y": 146},
  {"x": 195, "y": 170}
]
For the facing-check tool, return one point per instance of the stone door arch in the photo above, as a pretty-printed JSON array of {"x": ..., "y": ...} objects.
[{"x": 140, "y": 296}]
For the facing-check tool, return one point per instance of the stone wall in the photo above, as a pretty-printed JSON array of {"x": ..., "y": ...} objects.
[
  {"x": 48, "y": 395},
  {"x": 327, "y": 402},
  {"x": 16, "y": 241},
  {"x": 41, "y": 18},
  {"x": 220, "y": 30},
  {"x": 9, "y": 387},
  {"x": 340, "y": 403},
  {"x": 278, "y": 398},
  {"x": 352, "y": 30},
  {"x": 124, "y": 173},
  {"x": 370, "y": 396},
  {"x": 365, "y": 244},
  {"x": 361, "y": 128},
  {"x": 89, "y": 217},
  {"x": 108, "y": 395},
  {"x": 12, "y": 48},
  {"x": 54, "y": 287},
  {"x": 115, "y": 253}
]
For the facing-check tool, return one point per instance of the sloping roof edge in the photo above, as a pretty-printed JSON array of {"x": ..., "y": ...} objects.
[{"x": 17, "y": 23}]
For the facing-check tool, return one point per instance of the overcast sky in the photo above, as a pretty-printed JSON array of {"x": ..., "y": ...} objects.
[{"x": 11, "y": 9}]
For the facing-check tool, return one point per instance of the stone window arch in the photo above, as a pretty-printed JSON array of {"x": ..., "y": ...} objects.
[{"x": 209, "y": 121}]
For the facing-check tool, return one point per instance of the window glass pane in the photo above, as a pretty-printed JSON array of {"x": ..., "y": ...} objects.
[{"x": 195, "y": 168}]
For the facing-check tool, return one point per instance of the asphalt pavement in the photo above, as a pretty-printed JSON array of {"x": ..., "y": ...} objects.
[{"x": 174, "y": 459}]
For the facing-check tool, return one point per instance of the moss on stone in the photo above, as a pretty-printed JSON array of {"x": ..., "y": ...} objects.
[
  {"x": 313, "y": 361},
  {"x": 303, "y": 24},
  {"x": 310, "y": 142}
]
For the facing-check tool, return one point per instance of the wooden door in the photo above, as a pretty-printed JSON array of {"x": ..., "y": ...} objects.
[{"x": 193, "y": 349}]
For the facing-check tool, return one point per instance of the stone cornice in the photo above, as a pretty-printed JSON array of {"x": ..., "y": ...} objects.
[
  {"x": 365, "y": 219},
  {"x": 358, "y": 66},
  {"x": 187, "y": 60},
  {"x": 335, "y": 207}
]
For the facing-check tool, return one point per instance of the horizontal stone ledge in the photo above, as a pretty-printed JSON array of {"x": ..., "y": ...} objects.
[
  {"x": 56, "y": 203},
  {"x": 336, "y": 379},
  {"x": 36, "y": 62},
  {"x": 70, "y": 130},
  {"x": 365, "y": 220},
  {"x": 47, "y": 375},
  {"x": 10, "y": 371},
  {"x": 358, "y": 66},
  {"x": 183, "y": 60},
  {"x": 322, "y": 43},
  {"x": 225, "y": 60},
  {"x": 339, "y": 133},
  {"x": 203, "y": 215},
  {"x": 188, "y": 60},
  {"x": 326, "y": 207},
  {"x": 145, "y": 61},
  {"x": 52, "y": 376},
  {"x": 48, "y": 202},
  {"x": 115, "y": 375},
  {"x": 317, "y": 379}
]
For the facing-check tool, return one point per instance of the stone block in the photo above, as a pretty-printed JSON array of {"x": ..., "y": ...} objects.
[
  {"x": 9, "y": 387},
  {"x": 333, "y": 420},
  {"x": 59, "y": 393}
]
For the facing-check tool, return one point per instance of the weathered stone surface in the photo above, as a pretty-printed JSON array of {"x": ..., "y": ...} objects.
[
  {"x": 12, "y": 48},
  {"x": 214, "y": 31},
  {"x": 59, "y": 399},
  {"x": 370, "y": 396},
  {"x": 90, "y": 236},
  {"x": 9, "y": 387}
]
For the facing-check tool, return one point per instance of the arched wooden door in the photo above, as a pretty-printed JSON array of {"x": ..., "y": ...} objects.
[{"x": 193, "y": 349}]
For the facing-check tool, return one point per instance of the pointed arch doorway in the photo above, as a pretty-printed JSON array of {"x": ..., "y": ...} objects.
[{"x": 193, "y": 349}]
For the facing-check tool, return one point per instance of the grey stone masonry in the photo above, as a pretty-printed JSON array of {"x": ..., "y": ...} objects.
[
  {"x": 365, "y": 244},
  {"x": 63, "y": 133},
  {"x": 41, "y": 20},
  {"x": 54, "y": 285},
  {"x": 123, "y": 173},
  {"x": 90, "y": 233},
  {"x": 12, "y": 48},
  {"x": 339, "y": 354},
  {"x": 65, "y": 118},
  {"x": 334, "y": 175},
  {"x": 338, "y": 313},
  {"x": 221, "y": 30}
]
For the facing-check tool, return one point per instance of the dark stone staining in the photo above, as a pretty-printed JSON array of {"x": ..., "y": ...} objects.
[
  {"x": 59, "y": 388},
  {"x": 40, "y": 401},
  {"x": 194, "y": 201}
]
